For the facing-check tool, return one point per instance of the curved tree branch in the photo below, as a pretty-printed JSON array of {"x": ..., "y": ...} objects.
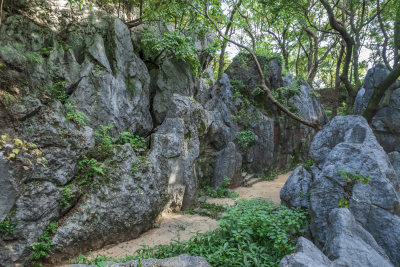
[{"x": 314, "y": 124}]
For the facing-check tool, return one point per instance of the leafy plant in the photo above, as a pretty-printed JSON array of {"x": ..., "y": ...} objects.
[
  {"x": 75, "y": 116},
  {"x": 252, "y": 233},
  {"x": 7, "y": 226},
  {"x": 353, "y": 176},
  {"x": 42, "y": 247},
  {"x": 350, "y": 177},
  {"x": 57, "y": 91},
  {"x": 173, "y": 43},
  {"x": 88, "y": 168},
  {"x": 221, "y": 192},
  {"x": 104, "y": 143},
  {"x": 245, "y": 138},
  {"x": 67, "y": 196},
  {"x": 211, "y": 210},
  {"x": 138, "y": 143}
]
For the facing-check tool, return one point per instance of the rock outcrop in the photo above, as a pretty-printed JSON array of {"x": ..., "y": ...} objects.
[
  {"x": 386, "y": 122},
  {"x": 74, "y": 95},
  {"x": 354, "y": 173}
]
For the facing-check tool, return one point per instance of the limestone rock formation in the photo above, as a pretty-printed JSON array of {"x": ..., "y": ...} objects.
[
  {"x": 70, "y": 94},
  {"x": 386, "y": 122},
  {"x": 355, "y": 173}
]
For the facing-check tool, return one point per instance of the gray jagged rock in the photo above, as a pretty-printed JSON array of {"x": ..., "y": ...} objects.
[
  {"x": 349, "y": 244},
  {"x": 228, "y": 164},
  {"x": 373, "y": 78},
  {"x": 183, "y": 260},
  {"x": 8, "y": 192},
  {"x": 306, "y": 255},
  {"x": 176, "y": 145},
  {"x": 120, "y": 205},
  {"x": 295, "y": 192},
  {"x": 395, "y": 160},
  {"x": 386, "y": 122},
  {"x": 348, "y": 143}
]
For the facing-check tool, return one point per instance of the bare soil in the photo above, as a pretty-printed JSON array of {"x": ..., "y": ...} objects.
[{"x": 171, "y": 227}]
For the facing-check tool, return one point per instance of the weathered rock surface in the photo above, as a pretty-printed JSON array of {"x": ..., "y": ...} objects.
[
  {"x": 346, "y": 151},
  {"x": 295, "y": 192},
  {"x": 67, "y": 79},
  {"x": 386, "y": 122},
  {"x": 306, "y": 255},
  {"x": 348, "y": 244},
  {"x": 179, "y": 261}
]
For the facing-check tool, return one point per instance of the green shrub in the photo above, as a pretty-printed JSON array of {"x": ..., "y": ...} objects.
[
  {"x": 88, "y": 168},
  {"x": 7, "y": 226},
  {"x": 104, "y": 142},
  {"x": 221, "y": 192},
  {"x": 245, "y": 138},
  {"x": 174, "y": 44},
  {"x": 138, "y": 143},
  {"x": 252, "y": 233},
  {"x": 75, "y": 116},
  {"x": 67, "y": 196},
  {"x": 57, "y": 91},
  {"x": 42, "y": 247}
]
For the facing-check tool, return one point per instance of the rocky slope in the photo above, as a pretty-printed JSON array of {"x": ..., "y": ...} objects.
[{"x": 75, "y": 91}]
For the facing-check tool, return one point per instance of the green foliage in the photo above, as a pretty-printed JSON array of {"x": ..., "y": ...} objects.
[
  {"x": 57, "y": 91},
  {"x": 138, "y": 143},
  {"x": 221, "y": 192},
  {"x": 252, "y": 233},
  {"x": 88, "y": 168},
  {"x": 174, "y": 44},
  {"x": 42, "y": 247},
  {"x": 343, "y": 203},
  {"x": 67, "y": 196},
  {"x": 351, "y": 176},
  {"x": 75, "y": 116},
  {"x": 211, "y": 210},
  {"x": 245, "y": 138},
  {"x": 7, "y": 226},
  {"x": 104, "y": 142},
  {"x": 80, "y": 4}
]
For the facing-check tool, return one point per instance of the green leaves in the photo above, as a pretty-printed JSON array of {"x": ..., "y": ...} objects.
[
  {"x": 245, "y": 138},
  {"x": 252, "y": 233},
  {"x": 174, "y": 44}
]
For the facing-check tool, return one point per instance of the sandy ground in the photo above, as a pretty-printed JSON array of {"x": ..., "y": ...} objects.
[{"x": 177, "y": 226}]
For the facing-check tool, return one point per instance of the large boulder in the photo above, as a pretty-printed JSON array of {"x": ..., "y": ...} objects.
[
  {"x": 346, "y": 149},
  {"x": 386, "y": 122},
  {"x": 295, "y": 192},
  {"x": 348, "y": 244},
  {"x": 306, "y": 255},
  {"x": 120, "y": 205}
]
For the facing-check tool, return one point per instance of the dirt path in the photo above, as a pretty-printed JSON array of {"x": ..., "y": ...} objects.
[{"x": 182, "y": 227}]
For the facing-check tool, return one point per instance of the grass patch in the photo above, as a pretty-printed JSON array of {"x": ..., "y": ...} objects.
[{"x": 253, "y": 232}]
